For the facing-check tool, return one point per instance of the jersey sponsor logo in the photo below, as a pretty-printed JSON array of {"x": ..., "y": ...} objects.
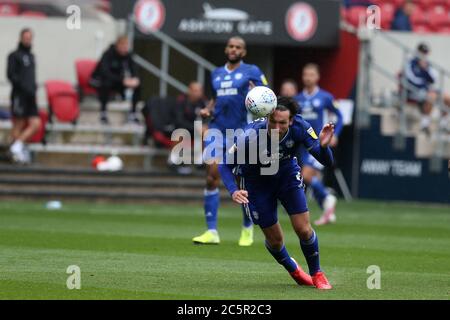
[
  {"x": 227, "y": 92},
  {"x": 290, "y": 143},
  {"x": 226, "y": 84},
  {"x": 309, "y": 115},
  {"x": 301, "y": 21},
  {"x": 264, "y": 80},
  {"x": 312, "y": 133}
]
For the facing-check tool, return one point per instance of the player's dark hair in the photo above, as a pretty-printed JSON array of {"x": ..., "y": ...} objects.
[
  {"x": 290, "y": 81},
  {"x": 239, "y": 38},
  {"x": 287, "y": 104},
  {"x": 312, "y": 66},
  {"x": 121, "y": 38},
  {"x": 23, "y": 31}
]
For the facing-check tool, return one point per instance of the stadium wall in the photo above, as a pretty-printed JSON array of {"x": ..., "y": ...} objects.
[
  {"x": 55, "y": 47},
  {"x": 389, "y": 174}
]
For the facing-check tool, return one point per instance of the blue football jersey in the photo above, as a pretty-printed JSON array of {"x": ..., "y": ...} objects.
[
  {"x": 299, "y": 134},
  {"x": 313, "y": 109},
  {"x": 229, "y": 90}
]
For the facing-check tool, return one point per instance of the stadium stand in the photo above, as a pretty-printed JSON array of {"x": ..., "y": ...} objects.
[
  {"x": 429, "y": 16},
  {"x": 9, "y": 9},
  {"x": 33, "y": 14},
  {"x": 62, "y": 101},
  {"x": 84, "y": 69}
]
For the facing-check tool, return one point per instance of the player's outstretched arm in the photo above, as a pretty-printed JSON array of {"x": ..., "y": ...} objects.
[
  {"x": 226, "y": 173},
  {"x": 321, "y": 150},
  {"x": 326, "y": 135}
]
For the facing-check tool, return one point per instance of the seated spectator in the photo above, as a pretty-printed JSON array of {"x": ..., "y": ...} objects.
[
  {"x": 188, "y": 107},
  {"x": 421, "y": 79},
  {"x": 21, "y": 72},
  {"x": 288, "y": 88},
  {"x": 401, "y": 20},
  {"x": 187, "y": 110},
  {"x": 116, "y": 73}
]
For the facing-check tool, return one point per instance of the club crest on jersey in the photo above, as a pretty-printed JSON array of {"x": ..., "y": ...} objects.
[
  {"x": 316, "y": 103},
  {"x": 238, "y": 76},
  {"x": 312, "y": 133},
  {"x": 290, "y": 143}
]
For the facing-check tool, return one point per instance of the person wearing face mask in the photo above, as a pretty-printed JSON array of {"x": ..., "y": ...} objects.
[
  {"x": 21, "y": 72},
  {"x": 421, "y": 80}
]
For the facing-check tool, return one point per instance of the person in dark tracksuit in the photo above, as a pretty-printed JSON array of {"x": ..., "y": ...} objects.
[
  {"x": 116, "y": 73},
  {"x": 21, "y": 72}
]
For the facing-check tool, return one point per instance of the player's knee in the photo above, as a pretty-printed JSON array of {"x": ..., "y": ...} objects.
[
  {"x": 212, "y": 182},
  {"x": 307, "y": 174},
  {"x": 35, "y": 124},
  {"x": 304, "y": 232},
  {"x": 276, "y": 244}
]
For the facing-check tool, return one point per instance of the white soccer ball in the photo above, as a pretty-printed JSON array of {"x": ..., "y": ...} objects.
[{"x": 260, "y": 101}]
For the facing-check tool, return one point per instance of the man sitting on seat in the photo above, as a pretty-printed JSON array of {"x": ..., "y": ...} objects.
[
  {"x": 421, "y": 79},
  {"x": 116, "y": 72}
]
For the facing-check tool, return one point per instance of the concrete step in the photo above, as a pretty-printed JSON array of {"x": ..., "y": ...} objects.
[
  {"x": 47, "y": 183},
  {"x": 70, "y": 155},
  {"x": 120, "y": 196},
  {"x": 85, "y": 133},
  {"x": 110, "y": 182},
  {"x": 77, "y": 171}
]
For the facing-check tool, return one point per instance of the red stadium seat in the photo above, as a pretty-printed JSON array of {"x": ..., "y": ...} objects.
[
  {"x": 62, "y": 100},
  {"x": 418, "y": 16},
  {"x": 440, "y": 2},
  {"x": 438, "y": 16},
  {"x": 39, "y": 136},
  {"x": 356, "y": 14},
  {"x": 387, "y": 14},
  {"x": 422, "y": 28},
  {"x": 9, "y": 9},
  {"x": 444, "y": 30},
  {"x": 33, "y": 14},
  {"x": 84, "y": 69},
  {"x": 423, "y": 4}
]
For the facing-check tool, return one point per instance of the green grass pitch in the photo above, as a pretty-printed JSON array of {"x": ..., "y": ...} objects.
[{"x": 145, "y": 252}]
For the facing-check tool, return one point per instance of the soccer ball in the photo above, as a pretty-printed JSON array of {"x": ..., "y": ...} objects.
[{"x": 260, "y": 101}]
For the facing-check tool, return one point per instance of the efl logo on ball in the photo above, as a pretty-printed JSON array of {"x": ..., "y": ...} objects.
[{"x": 260, "y": 101}]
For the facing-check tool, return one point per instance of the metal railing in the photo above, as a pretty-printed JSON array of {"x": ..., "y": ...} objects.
[{"x": 162, "y": 72}]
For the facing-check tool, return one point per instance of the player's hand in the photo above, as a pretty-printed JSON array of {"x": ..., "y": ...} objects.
[
  {"x": 251, "y": 85},
  {"x": 334, "y": 141},
  {"x": 205, "y": 113},
  {"x": 326, "y": 135},
  {"x": 240, "y": 196}
]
